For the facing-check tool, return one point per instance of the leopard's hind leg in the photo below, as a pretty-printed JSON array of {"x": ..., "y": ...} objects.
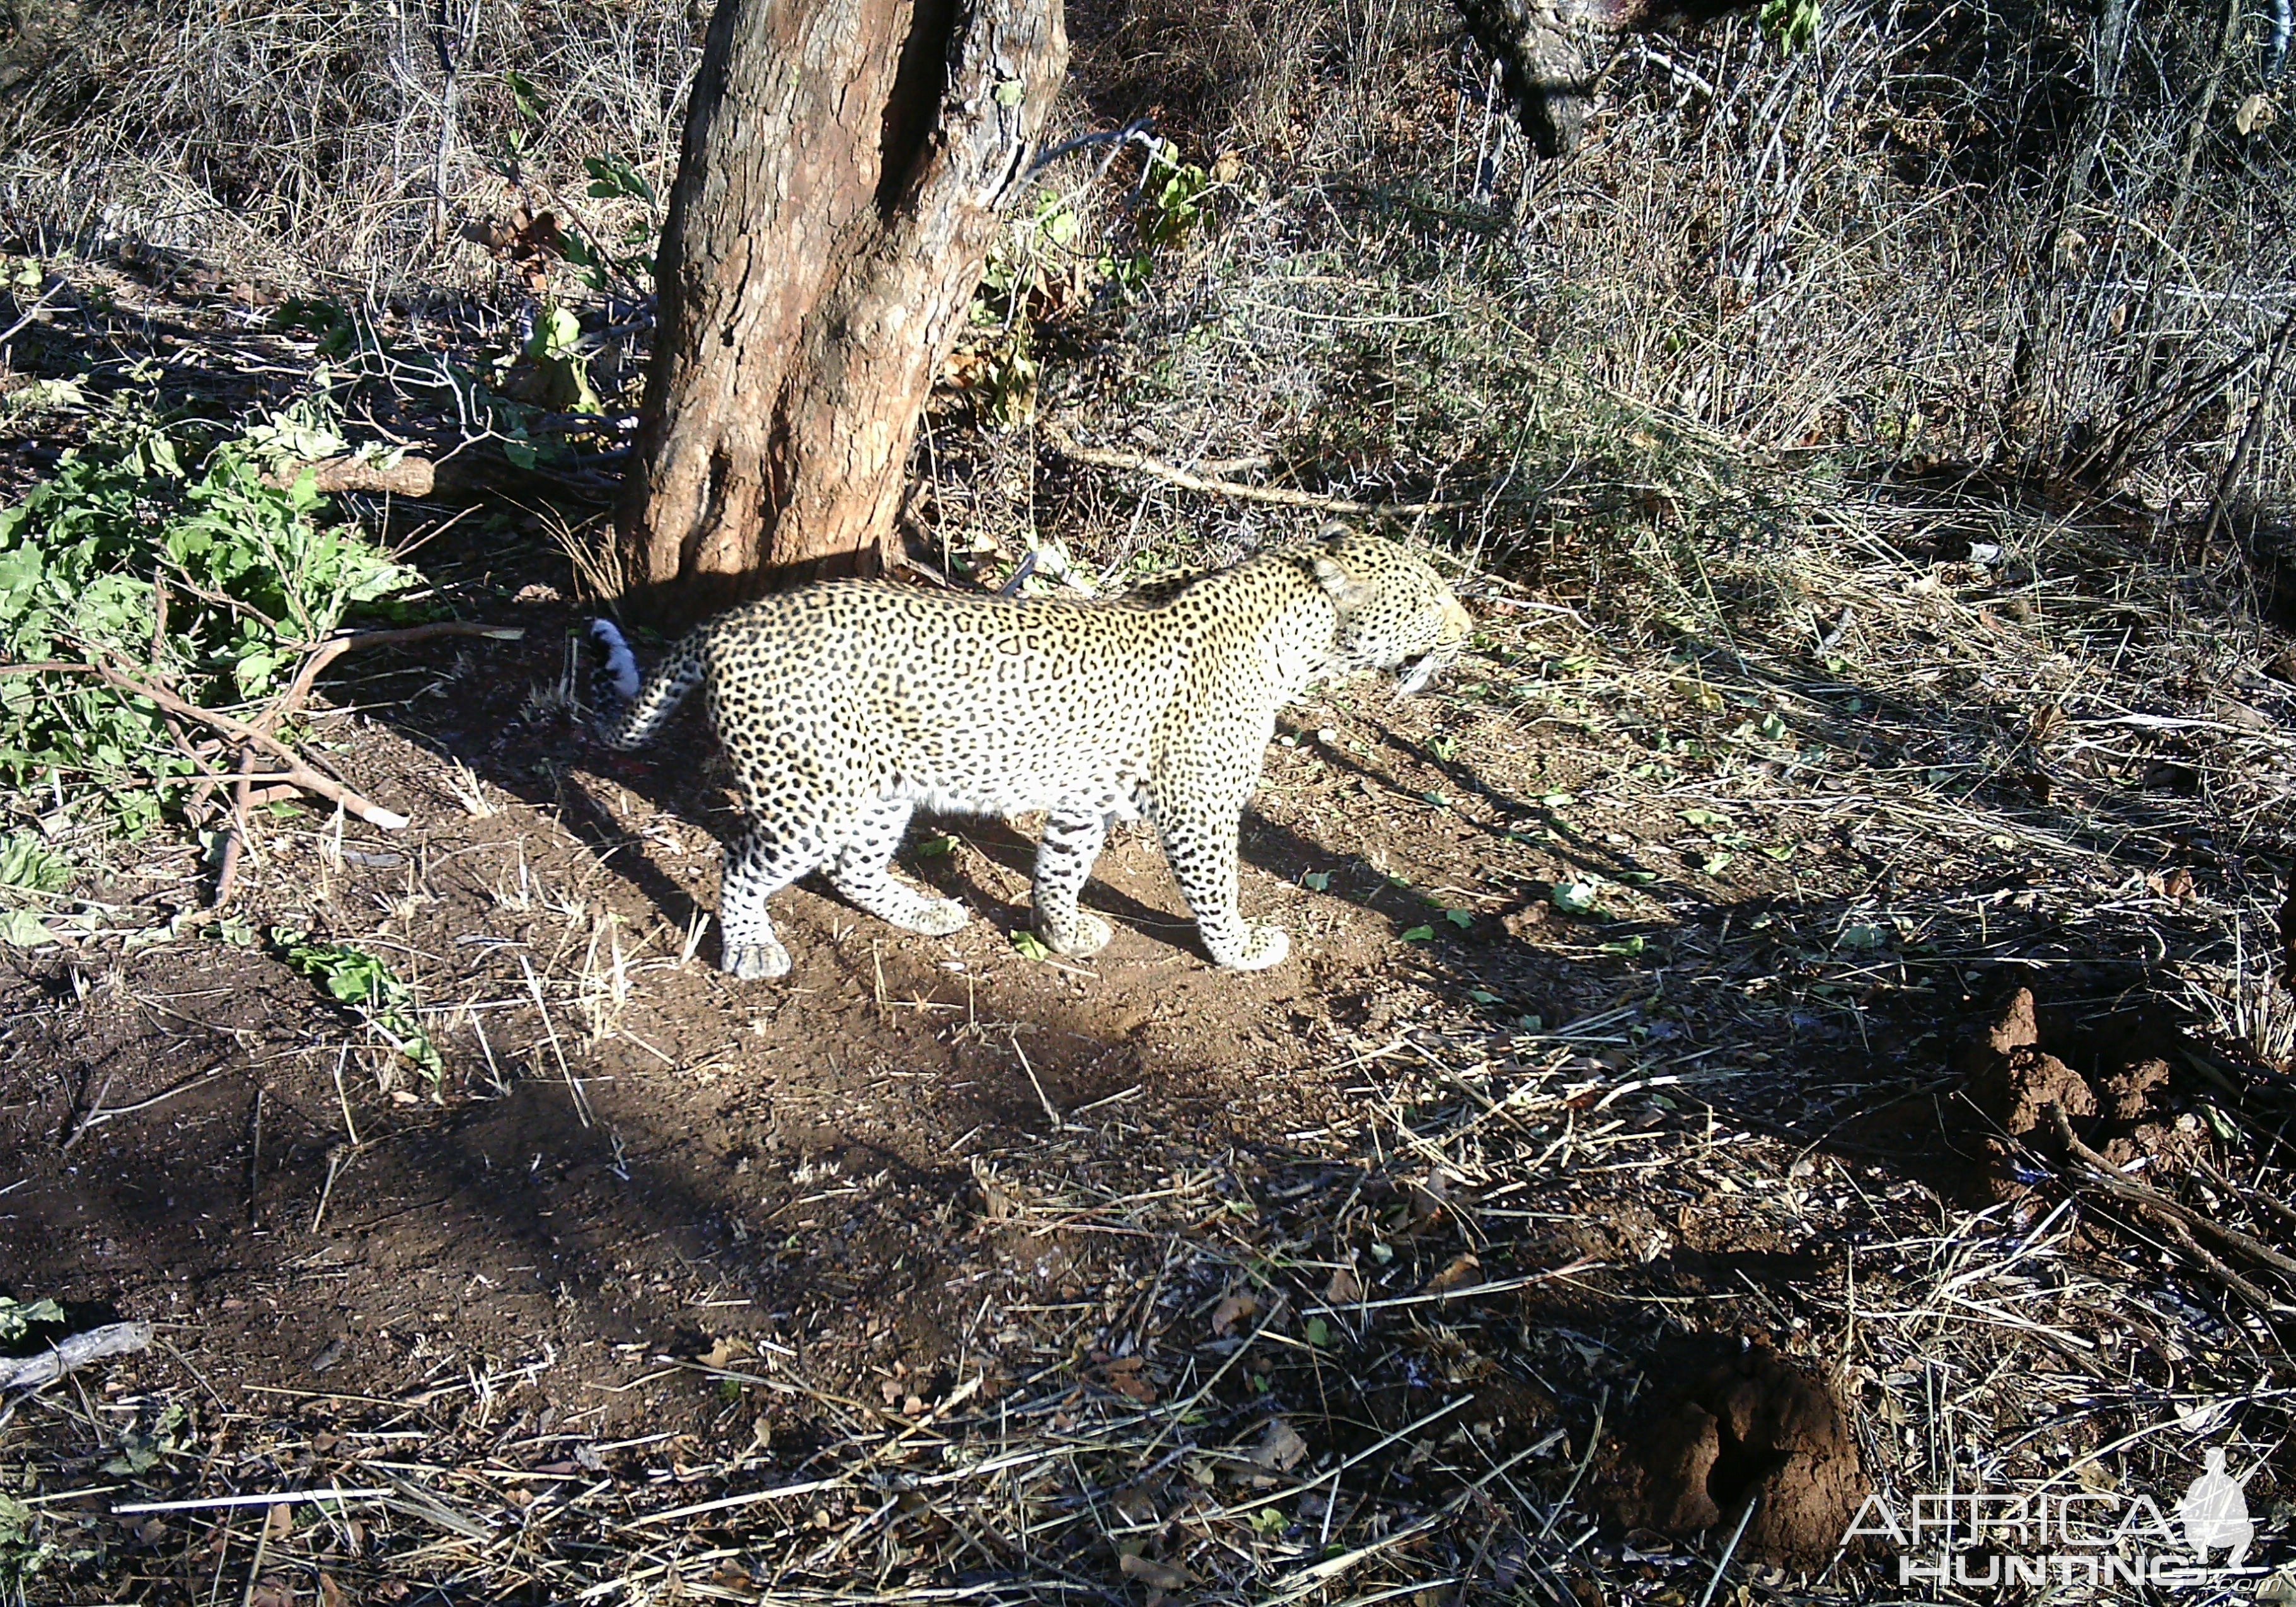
[
  {"x": 766, "y": 858},
  {"x": 862, "y": 871}
]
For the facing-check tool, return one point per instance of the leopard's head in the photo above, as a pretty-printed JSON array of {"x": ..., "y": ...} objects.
[{"x": 1395, "y": 611}]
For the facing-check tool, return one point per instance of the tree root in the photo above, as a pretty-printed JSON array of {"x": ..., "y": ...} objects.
[{"x": 2180, "y": 1221}]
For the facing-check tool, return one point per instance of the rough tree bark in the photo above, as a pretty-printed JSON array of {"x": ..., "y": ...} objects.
[
  {"x": 844, "y": 166},
  {"x": 1548, "y": 52}
]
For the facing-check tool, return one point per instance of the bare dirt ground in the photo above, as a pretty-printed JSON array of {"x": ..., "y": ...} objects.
[
  {"x": 1437, "y": 1191},
  {"x": 1634, "y": 1168}
]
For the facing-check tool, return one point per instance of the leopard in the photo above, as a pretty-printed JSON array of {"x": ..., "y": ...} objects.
[{"x": 845, "y": 706}]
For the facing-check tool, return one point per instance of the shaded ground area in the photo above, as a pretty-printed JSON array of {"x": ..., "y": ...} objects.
[
  {"x": 1614, "y": 1161},
  {"x": 1131, "y": 1277}
]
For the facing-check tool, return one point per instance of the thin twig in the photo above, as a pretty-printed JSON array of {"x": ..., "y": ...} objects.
[
  {"x": 2100, "y": 1173},
  {"x": 275, "y": 1498},
  {"x": 1156, "y": 468}
]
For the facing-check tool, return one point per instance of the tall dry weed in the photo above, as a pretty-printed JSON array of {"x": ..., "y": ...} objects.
[{"x": 2023, "y": 236}]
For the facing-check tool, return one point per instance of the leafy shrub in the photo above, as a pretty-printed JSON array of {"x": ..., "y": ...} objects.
[
  {"x": 248, "y": 575},
  {"x": 1048, "y": 266}
]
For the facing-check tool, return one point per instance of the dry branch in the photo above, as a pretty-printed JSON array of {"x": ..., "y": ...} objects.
[
  {"x": 1156, "y": 468},
  {"x": 408, "y": 477},
  {"x": 97, "y": 1344},
  {"x": 296, "y": 772},
  {"x": 320, "y": 657},
  {"x": 2181, "y": 1220}
]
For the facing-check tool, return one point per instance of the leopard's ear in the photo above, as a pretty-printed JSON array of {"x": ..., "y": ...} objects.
[
  {"x": 1348, "y": 592},
  {"x": 1334, "y": 531}
]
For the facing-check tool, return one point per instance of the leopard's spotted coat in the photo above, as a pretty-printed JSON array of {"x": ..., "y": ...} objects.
[{"x": 848, "y": 705}]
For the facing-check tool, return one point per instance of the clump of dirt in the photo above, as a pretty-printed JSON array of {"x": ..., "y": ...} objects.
[
  {"x": 1740, "y": 1421},
  {"x": 2021, "y": 1073}
]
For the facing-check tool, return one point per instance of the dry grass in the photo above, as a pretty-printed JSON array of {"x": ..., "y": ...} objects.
[
  {"x": 310, "y": 147},
  {"x": 1801, "y": 646}
]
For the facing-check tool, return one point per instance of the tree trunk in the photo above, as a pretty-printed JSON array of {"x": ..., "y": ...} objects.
[{"x": 844, "y": 168}]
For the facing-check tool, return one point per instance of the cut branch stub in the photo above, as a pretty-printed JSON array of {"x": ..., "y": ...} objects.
[
  {"x": 1548, "y": 52},
  {"x": 845, "y": 167}
]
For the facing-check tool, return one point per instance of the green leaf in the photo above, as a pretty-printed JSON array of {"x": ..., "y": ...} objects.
[
  {"x": 1793, "y": 23},
  {"x": 1420, "y": 934},
  {"x": 1460, "y": 917},
  {"x": 21, "y": 929},
  {"x": 1625, "y": 946},
  {"x": 524, "y": 96},
  {"x": 613, "y": 175},
  {"x": 1863, "y": 935},
  {"x": 28, "y": 863},
  {"x": 1031, "y": 946},
  {"x": 139, "y": 1453},
  {"x": 558, "y": 330},
  {"x": 1319, "y": 881},
  {"x": 1011, "y": 91},
  {"x": 364, "y": 982},
  {"x": 933, "y": 848},
  {"x": 1317, "y": 1332},
  {"x": 1575, "y": 898},
  {"x": 17, "y": 1317}
]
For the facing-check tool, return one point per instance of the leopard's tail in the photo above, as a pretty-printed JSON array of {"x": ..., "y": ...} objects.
[{"x": 632, "y": 714}]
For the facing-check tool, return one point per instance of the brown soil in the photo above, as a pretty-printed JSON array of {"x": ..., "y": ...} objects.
[
  {"x": 1471, "y": 1164},
  {"x": 1733, "y": 1424},
  {"x": 2126, "y": 1105},
  {"x": 632, "y": 1155}
]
